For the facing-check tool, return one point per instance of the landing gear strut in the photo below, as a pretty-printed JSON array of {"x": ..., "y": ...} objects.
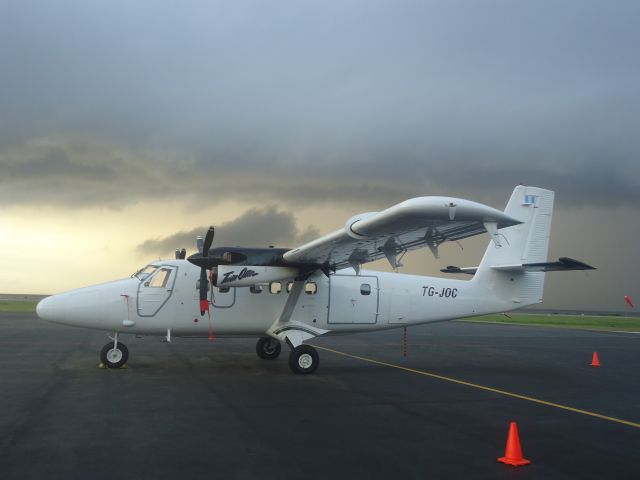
[
  {"x": 304, "y": 359},
  {"x": 268, "y": 348},
  {"x": 114, "y": 354}
]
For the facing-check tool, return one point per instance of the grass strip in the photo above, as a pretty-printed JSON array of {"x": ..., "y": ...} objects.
[
  {"x": 564, "y": 321},
  {"x": 18, "y": 306}
]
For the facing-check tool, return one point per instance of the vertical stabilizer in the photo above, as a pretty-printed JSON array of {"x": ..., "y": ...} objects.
[{"x": 524, "y": 243}]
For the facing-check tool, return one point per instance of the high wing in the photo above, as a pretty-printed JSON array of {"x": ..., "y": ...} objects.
[{"x": 415, "y": 223}]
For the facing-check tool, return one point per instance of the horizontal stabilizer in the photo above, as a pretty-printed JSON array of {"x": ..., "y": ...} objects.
[
  {"x": 563, "y": 264},
  {"x": 453, "y": 269}
]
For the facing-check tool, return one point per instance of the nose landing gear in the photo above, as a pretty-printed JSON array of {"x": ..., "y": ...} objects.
[{"x": 114, "y": 354}]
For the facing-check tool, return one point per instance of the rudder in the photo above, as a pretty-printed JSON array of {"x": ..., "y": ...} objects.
[{"x": 520, "y": 244}]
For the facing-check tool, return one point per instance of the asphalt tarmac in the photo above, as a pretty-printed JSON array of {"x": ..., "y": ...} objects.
[{"x": 196, "y": 409}]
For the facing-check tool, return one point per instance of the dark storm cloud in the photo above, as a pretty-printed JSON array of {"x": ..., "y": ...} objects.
[
  {"x": 53, "y": 162},
  {"x": 84, "y": 174},
  {"x": 255, "y": 228},
  {"x": 110, "y": 103}
]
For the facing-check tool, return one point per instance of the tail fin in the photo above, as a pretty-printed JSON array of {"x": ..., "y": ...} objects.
[{"x": 524, "y": 243}]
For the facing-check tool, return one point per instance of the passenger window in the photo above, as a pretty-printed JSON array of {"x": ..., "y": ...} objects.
[
  {"x": 224, "y": 289},
  {"x": 255, "y": 289},
  {"x": 289, "y": 286},
  {"x": 365, "y": 289},
  {"x": 311, "y": 288},
  {"x": 160, "y": 279},
  {"x": 275, "y": 287}
]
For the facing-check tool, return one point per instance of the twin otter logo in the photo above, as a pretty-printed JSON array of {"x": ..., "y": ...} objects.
[{"x": 232, "y": 277}]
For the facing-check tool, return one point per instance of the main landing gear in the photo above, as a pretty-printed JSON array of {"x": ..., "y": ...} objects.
[
  {"x": 114, "y": 354},
  {"x": 268, "y": 348},
  {"x": 302, "y": 359}
]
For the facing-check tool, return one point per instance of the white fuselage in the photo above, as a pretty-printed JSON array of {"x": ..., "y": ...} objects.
[{"x": 343, "y": 303}]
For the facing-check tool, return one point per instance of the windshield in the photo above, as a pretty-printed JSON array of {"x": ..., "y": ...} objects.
[{"x": 145, "y": 272}]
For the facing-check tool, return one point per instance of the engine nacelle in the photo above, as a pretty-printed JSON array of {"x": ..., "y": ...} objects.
[
  {"x": 245, "y": 276},
  {"x": 351, "y": 226}
]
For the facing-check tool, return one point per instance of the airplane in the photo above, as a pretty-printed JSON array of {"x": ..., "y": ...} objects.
[{"x": 317, "y": 289}]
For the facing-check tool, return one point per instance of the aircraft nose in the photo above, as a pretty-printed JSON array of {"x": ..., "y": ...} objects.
[{"x": 52, "y": 308}]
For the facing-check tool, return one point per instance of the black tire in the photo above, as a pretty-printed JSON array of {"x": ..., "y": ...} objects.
[
  {"x": 268, "y": 348},
  {"x": 114, "y": 359},
  {"x": 304, "y": 359}
]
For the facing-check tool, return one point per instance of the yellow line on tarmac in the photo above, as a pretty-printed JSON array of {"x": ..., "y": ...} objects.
[{"x": 482, "y": 387}]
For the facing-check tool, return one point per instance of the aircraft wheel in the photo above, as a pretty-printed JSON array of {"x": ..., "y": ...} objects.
[
  {"x": 114, "y": 357},
  {"x": 304, "y": 359},
  {"x": 268, "y": 348}
]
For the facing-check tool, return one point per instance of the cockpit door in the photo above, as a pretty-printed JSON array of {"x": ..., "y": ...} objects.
[{"x": 155, "y": 291}]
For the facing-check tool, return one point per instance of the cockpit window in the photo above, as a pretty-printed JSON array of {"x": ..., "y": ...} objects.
[
  {"x": 145, "y": 272},
  {"x": 160, "y": 279}
]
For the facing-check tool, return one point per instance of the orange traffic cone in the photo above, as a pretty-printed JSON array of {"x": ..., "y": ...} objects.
[
  {"x": 595, "y": 362},
  {"x": 513, "y": 452}
]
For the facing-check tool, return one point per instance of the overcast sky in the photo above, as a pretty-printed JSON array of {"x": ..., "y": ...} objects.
[{"x": 126, "y": 126}]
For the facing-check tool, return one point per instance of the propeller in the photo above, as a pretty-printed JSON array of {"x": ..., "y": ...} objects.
[{"x": 204, "y": 283}]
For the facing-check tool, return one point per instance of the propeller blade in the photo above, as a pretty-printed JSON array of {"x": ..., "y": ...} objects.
[
  {"x": 206, "y": 262},
  {"x": 204, "y": 287},
  {"x": 208, "y": 240},
  {"x": 203, "y": 262}
]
